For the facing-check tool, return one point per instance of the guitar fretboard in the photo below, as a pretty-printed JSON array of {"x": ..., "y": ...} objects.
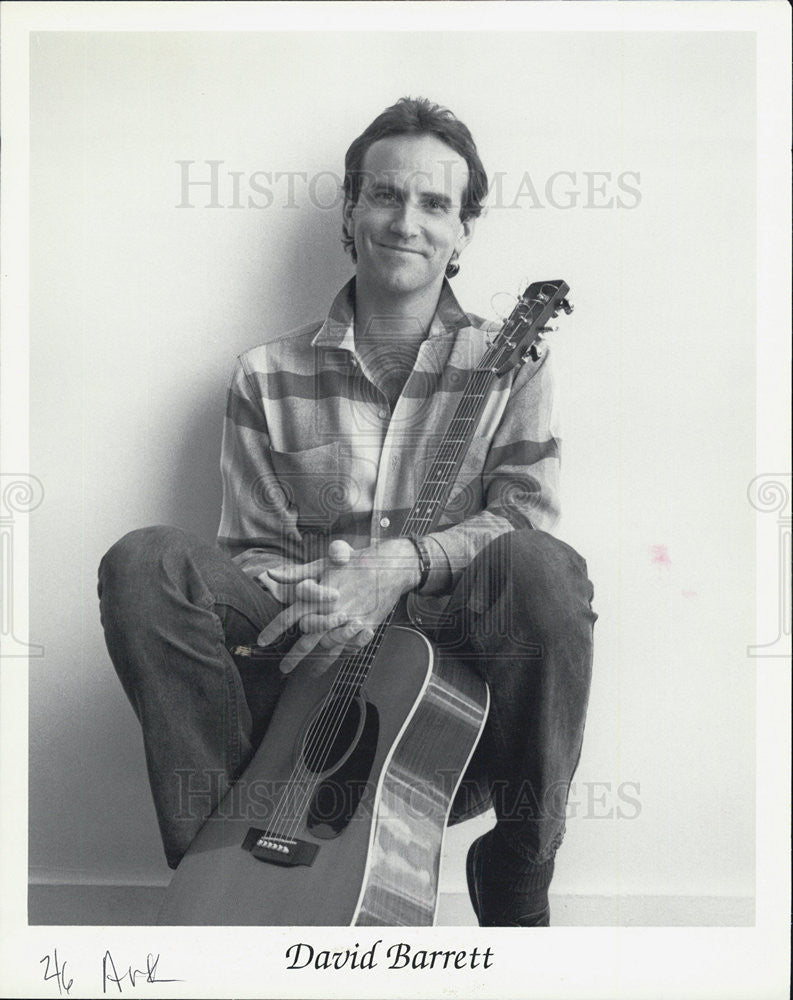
[
  {"x": 516, "y": 338},
  {"x": 437, "y": 484}
]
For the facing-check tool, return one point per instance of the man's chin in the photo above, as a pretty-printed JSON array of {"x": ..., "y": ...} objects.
[{"x": 405, "y": 280}]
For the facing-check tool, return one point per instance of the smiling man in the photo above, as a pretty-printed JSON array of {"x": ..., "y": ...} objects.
[{"x": 328, "y": 431}]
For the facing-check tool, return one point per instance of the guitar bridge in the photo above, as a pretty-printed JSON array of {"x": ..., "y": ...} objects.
[{"x": 265, "y": 845}]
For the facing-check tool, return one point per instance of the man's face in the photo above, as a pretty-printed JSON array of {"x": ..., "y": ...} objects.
[{"x": 406, "y": 222}]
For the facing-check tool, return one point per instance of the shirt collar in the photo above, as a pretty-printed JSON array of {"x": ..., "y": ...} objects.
[{"x": 338, "y": 330}]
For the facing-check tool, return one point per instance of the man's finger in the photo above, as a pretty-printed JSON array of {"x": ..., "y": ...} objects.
[
  {"x": 311, "y": 592},
  {"x": 363, "y": 638},
  {"x": 315, "y": 622},
  {"x": 299, "y": 651},
  {"x": 353, "y": 634},
  {"x": 338, "y": 642},
  {"x": 320, "y": 665},
  {"x": 295, "y": 572},
  {"x": 325, "y": 655},
  {"x": 277, "y": 626}
]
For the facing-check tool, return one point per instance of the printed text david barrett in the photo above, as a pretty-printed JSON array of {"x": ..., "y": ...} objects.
[{"x": 302, "y": 955}]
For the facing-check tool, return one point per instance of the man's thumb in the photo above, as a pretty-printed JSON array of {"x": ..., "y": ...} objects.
[{"x": 339, "y": 552}]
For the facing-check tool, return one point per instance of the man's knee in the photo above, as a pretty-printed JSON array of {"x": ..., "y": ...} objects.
[
  {"x": 137, "y": 558},
  {"x": 540, "y": 576},
  {"x": 526, "y": 553}
]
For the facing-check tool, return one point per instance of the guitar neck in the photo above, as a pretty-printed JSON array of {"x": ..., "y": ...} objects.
[
  {"x": 431, "y": 499},
  {"x": 513, "y": 344},
  {"x": 434, "y": 492}
]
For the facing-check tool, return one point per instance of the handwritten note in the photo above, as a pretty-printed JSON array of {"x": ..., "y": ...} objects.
[{"x": 114, "y": 981}]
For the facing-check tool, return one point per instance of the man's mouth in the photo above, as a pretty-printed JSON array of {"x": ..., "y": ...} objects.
[{"x": 399, "y": 249}]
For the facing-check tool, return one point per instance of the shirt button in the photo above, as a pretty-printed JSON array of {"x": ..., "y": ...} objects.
[
  {"x": 382, "y": 414},
  {"x": 385, "y": 522}
]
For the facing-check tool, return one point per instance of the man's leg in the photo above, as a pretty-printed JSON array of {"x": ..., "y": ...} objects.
[
  {"x": 171, "y": 604},
  {"x": 521, "y": 614}
]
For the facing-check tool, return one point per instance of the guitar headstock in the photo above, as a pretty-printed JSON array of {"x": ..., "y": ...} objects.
[{"x": 525, "y": 326}]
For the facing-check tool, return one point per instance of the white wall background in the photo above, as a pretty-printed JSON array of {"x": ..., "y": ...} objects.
[{"x": 139, "y": 307}]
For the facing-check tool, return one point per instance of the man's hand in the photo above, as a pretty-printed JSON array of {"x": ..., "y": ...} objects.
[
  {"x": 367, "y": 586},
  {"x": 292, "y": 582}
]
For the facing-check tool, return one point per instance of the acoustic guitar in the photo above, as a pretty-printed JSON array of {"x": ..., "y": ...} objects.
[{"x": 339, "y": 818}]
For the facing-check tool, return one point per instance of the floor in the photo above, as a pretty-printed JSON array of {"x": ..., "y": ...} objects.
[{"x": 111, "y": 905}]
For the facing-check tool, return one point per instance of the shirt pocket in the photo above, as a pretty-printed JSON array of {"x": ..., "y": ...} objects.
[{"x": 313, "y": 484}]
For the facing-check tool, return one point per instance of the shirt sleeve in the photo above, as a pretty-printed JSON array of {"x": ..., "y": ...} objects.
[
  {"x": 258, "y": 527},
  {"x": 520, "y": 477}
]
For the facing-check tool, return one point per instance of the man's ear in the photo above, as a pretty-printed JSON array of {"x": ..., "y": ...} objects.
[
  {"x": 466, "y": 234},
  {"x": 346, "y": 214}
]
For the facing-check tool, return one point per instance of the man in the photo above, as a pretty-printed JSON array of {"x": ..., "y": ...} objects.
[{"x": 327, "y": 432}]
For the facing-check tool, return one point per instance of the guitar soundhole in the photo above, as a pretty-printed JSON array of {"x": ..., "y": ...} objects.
[{"x": 331, "y": 734}]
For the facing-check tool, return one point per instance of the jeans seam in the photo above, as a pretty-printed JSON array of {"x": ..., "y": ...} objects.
[
  {"x": 232, "y": 740},
  {"x": 233, "y": 750}
]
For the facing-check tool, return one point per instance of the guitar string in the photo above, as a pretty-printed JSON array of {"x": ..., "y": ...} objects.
[
  {"x": 322, "y": 734},
  {"x": 355, "y": 668},
  {"x": 352, "y": 673},
  {"x": 321, "y": 737}
]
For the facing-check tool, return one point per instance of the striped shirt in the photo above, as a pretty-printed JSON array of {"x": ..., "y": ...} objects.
[{"x": 313, "y": 451}]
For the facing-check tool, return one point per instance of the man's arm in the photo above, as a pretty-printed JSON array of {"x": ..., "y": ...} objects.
[
  {"x": 258, "y": 528},
  {"x": 521, "y": 475}
]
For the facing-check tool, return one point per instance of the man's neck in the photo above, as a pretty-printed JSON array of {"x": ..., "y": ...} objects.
[{"x": 382, "y": 319}]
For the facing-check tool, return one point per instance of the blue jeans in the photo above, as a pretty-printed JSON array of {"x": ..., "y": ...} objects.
[{"x": 173, "y": 605}]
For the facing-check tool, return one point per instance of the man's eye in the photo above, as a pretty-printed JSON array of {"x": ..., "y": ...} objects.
[
  {"x": 384, "y": 196},
  {"x": 436, "y": 205}
]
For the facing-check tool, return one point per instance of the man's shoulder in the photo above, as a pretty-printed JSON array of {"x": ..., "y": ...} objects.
[
  {"x": 478, "y": 331},
  {"x": 470, "y": 340},
  {"x": 291, "y": 348},
  {"x": 486, "y": 326}
]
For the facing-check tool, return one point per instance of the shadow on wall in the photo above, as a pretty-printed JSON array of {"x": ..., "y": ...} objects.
[
  {"x": 299, "y": 279},
  {"x": 194, "y": 500}
]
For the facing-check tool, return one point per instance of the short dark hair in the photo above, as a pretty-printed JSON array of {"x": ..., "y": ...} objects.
[{"x": 416, "y": 116}]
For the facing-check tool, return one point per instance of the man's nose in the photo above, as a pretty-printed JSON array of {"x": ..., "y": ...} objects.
[{"x": 405, "y": 221}]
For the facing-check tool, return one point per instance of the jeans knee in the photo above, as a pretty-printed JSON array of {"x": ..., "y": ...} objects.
[
  {"x": 545, "y": 578},
  {"x": 136, "y": 556}
]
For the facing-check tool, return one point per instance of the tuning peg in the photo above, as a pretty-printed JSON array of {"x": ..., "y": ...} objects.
[{"x": 568, "y": 308}]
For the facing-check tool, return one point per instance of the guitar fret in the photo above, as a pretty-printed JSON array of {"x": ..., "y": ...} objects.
[{"x": 434, "y": 489}]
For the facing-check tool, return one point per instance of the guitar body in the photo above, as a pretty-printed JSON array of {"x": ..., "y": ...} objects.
[
  {"x": 359, "y": 841},
  {"x": 339, "y": 818}
]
